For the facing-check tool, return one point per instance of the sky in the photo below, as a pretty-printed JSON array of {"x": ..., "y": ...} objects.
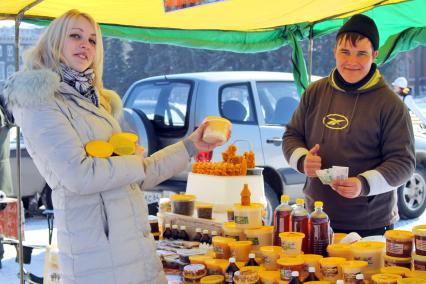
[{"x": 7, "y": 23}]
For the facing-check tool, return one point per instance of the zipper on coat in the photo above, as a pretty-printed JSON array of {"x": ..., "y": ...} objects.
[{"x": 104, "y": 217}]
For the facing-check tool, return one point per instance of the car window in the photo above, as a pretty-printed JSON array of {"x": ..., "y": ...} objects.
[
  {"x": 165, "y": 103},
  {"x": 236, "y": 103},
  {"x": 278, "y": 101}
]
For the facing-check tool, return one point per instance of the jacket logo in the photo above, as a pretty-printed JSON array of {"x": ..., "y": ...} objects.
[{"x": 335, "y": 121}]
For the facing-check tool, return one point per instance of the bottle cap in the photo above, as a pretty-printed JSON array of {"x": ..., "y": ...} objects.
[
  {"x": 311, "y": 269},
  {"x": 175, "y": 227},
  {"x": 214, "y": 233},
  {"x": 359, "y": 276},
  {"x": 183, "y": 228},
  {"x": 205, "y": 231},
  {"x": 252, "y": 255},
  {"x": 198, "y": 230},
  {"x": 340, "y": 281},
  {"x": 237, "y": 273},
  {"x": 318, "y": 204},
  {"x": 285, "y": 198},
  {"x": 295, "y": 274},
  {"x": 232, "y": 259},
  {"x": 167, "y": 225},
  {"x": 300, "y": 201}
]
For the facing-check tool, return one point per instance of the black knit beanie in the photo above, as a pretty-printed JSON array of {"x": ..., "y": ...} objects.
[{"x": 363, "y": 25}]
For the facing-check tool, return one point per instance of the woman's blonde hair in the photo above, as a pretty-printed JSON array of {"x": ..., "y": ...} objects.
[{"x": 47, "y": 52}]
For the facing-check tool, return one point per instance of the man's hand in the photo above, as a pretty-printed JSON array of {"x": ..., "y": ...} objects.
[
  {"x": 312, "y": 162},
  {"x": 349, "y": 188}
]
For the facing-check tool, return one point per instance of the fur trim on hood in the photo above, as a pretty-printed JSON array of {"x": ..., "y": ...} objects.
[{"x": 27, "y": 88}]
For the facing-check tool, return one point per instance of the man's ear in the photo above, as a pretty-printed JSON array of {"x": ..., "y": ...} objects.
[{"x": 375, "y": 53}]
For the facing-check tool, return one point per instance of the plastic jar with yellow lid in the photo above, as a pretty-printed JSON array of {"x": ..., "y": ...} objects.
[
  {"x": 123, "y": 143},
  {"x": 248, "y": 217},
  {"x": 340, "y": 250},
  {"x": 330, "y": 268},
  {"x": 183, "y": 204},
  {"x": 99, "y": 149},
  {"x": 398, "y": 270},
  {"x": 399, "y": 243},
  {"x": 416, "y": 274},
  {"x": 199, "y": 258},
  {"x": 419, "y": 262},
  {"x": 312, "y": 260},
  {"x": 411, "y": 281},
  {"x": 255, "y": 268},
  {"x": 397, "y": 261},
  {"x": 270, "y": 255},
  {"x": 217, "y": 130},
  {"x": 204, "y": 210},
  {"x": 372, "y": 252},
  {"x": 291, "y": 242},
  {"x": 420, "y": 239},
  {"x": 269, "y": 277},
  {"x": 246, "y": 277},
  {"x": 385, "y": 278},
  {"x": 230, "y": 230},
  {"x": 288, "y": 264},
  {"x": 337, "y": 237},
  {"x": 214, "y": 266},
  {"x": 192, "y": 273},
  {"x": 318, "y": 282},
  {"x": 221, "y": 246},
  {"x": 213, "y": 279},
  {"x": 240, "y": 250},
  {"x": 260, "y": 237},
  {"x": 351, "y": 268}
]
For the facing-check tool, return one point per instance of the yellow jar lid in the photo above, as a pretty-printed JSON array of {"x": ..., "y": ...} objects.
[
  {"x": 229, "y": 209},
  {"x": 311, "y": 257},
  {"x": 122, "y": 144},
  {"x": 332, "y": 260},
  {"x": 199, "y": 258},
  {"x": 420, "y": 230},
  {"x": 99, "y": 149},
  {"x": 212, "y": 279},
  {"x": 255, "y": 268},
  {"x": 411, "y": 280},
  {"x": 397, "y": 259},
  {"x": 222, "y": 240},
  {"x": 269, "y": 275},
  {"x": 338, "y": 247},
  {"x": 271, "y": 249},
  {"x": 318, "y": 282},
  {"x": 366, "y": 246},
  {"x": 218, "y": 118},
  {"x": 419, "y": 257},
  {"x": 229, "y": 225},
  {"x": 240, "y": 243},
  {"x": 252, "y": 206},
  {"x": 292, "y": 235},
  {"x": 399, "y": 270},
  {"x": 339, "y": 236},
  {"x": 285, "y": 198},
  {"x": 261, "y": 230},
  {"x": 285, "y": 261},
  {"x": 128, "y": 135},
  {"x": 182, "y": 197},
  {"x": 203, "y": 205},
  {"x": 354, "y": 264},
  {"x": 385, "y": 278},
  {"x": 215, "y": 262},
  {"x": 399, "y": 234},
  {"x": 416, "y": 274}
]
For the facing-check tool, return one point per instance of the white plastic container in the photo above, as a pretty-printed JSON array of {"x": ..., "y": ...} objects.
[{"x": 224, "y": 191}]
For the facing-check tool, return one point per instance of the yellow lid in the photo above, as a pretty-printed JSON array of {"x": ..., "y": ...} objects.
[
  {"x": 122, "y": 145},
  {"x": 212, "y": 279},
  {"x": 416, "y": 274},
  {"x": 285, "y": 198},
  {"x": 420, "y": 230},
  {"x": 338, "y": 236},
  {"x": 292, "y": 235},
  {"x": 318, "y": 282},
  {"x": 128, "y": 135},
  {"x": 286, "y": 261},
  {"x": 271, "y": 249},
  {"x": 385, "y": 278},
  {"x": 240, "y": 243},
  {"x": 229, "y": 209},
  {"x": 255, "y": 268},
  {"x": 251, "y": 206},
  {"x": 318, "y": 204},
  {"x": 399, "y": 270},
  {"x": 218, "y": 118},
  {"x": 419, "y": 257},
  {"x": 411, "y": 280},
  {"x": 199, "y": 258},
  {"x": 338, "y": 247},
  {"x": 367, "y": 246},
  {"x": 399, "y": 234},
  {"x": 246, "y": 277},
  {"x": 222, "y": 240},
  {"x": 211, "y": 262},
  {"x": 311, "y": 257},
  {"x": 182, "y": 197},
  {"x": 354, "y": 264},
  {"x": 300, "y": 201},
  {"x": 99, "y": 149},
  {"x": 269, "y": 275},
  {"x": 397, "y": 259},
  {"x": 203, "y": 205},
  {"x": 332, "y": 260},
  {"x": 261, "y": 230}
]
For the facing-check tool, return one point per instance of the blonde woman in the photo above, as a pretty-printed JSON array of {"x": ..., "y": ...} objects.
[{"x": 100, "y": 213}]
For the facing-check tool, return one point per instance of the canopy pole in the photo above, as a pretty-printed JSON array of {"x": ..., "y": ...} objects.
[
  {"x": 18, "y": 20},
  {"x": 310, "y": 51}
]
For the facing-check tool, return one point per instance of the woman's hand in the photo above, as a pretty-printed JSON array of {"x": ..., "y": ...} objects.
[
  {"x": 140, "y": 151},
  {"x": 196, "y": 137}
]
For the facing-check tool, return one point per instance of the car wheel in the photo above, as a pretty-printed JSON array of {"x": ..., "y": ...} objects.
[
  {"x": 412, "y": 195},
  {"x": 46, "y": 197},
  {"x": 271, "y": 204}
]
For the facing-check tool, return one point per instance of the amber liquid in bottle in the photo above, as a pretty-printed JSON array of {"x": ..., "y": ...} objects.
[
  {"x": 319, "y": 230},
  {"x": 301, "y": 224},
  {"x": 282, "y": 219}
]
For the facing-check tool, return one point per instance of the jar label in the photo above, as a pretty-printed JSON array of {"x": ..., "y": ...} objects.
[
  {"x": 421, "y": 245},
  {"x": 255, "y": 241},
  {"x": 218, "y": 250},
  {"x": 285, "y": 273},
  {"x": 399, "y": 249},
  {"x": 418, "y": 265},
  {"x": 242, "y": 220},
  {"x": 329, "y": 271}
]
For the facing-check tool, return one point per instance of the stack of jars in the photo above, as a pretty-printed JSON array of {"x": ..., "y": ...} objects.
[
  {"x": 419, "y": 257},
  {"x": 399, "y": 247}
]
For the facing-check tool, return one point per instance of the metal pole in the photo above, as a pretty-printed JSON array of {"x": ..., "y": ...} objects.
[{"x": 310, "y": 51}]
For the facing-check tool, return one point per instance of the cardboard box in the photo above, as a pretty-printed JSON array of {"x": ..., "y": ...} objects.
[{"x": 9, "y": 218}]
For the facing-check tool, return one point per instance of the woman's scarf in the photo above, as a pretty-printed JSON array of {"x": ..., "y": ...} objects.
[{"x": 82, "y": 82}]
